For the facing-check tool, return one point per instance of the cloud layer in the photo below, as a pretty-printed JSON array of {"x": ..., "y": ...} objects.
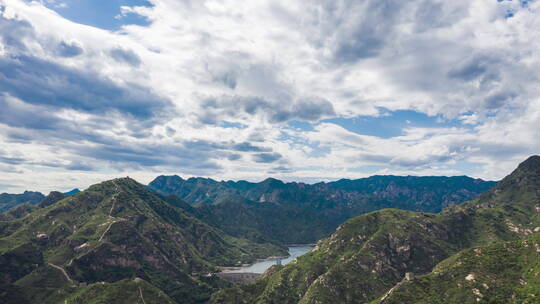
[{"x": 267, "y": 88}]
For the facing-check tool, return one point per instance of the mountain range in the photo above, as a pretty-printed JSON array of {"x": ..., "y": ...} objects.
[
  {"x": 93, "y": 241},
  {"x": 9, "y": 201},
  {"x": 272, "y": 211},
  {"x": 123, "y": 242},
  {"x": 289, "y": 213},
  {"x": 483, "y": 251}
]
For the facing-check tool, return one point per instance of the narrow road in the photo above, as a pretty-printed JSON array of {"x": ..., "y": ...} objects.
[
  {"x": 63, "y": 271},
  {"x": 386, "y": 295},
  {"x": 113, "y": 198},
  {"x": 114, "y": 220},
  {"x": 140, "y": 293}
]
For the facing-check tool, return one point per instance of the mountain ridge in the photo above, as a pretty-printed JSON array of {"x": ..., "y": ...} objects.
[
  {"x": 369, "y": 256},
  {"x": 9, "y": 201},
  {"x": 301, "y": 213},
  {"x": 119, "y": 230},
  {"x": 169, "y": 185}
]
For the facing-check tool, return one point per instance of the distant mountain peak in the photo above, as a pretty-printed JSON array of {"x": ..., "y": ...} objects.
[
  {"x": 169, "y": 177},
  {"x": 202, "y": 179},
  {"x": 272, "y": 181},
  {"x": 72, "y": 191}
]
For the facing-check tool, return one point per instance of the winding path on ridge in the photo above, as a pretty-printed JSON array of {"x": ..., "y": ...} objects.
[
  {"x": 140, "y": 294},
  {"x": 64, "y": 272},
  {"x": 111, "y": 218},
  {"x": 114, "y": 219}
]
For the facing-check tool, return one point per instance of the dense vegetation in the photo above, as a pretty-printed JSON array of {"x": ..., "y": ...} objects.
[
  {"x": 117, "y": 242},
  {"x": 492, "y": 240},
  {"x": 504, "y": 272},
  {"x": 113, "y": 232},
  {"x": 301, "y": 213}
]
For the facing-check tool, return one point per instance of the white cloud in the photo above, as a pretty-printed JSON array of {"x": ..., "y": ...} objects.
[{"x": 155, "y": 98}]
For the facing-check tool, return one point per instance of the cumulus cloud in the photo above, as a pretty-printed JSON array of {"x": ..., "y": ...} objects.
[
  {"x": 37, "y": 81},
  {"x": 45, "y": 80},
  {"x": 214, "y": 88}
]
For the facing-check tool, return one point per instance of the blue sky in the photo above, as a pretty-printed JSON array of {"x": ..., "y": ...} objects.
[
  {"x": 105, "y": 14},
  {"x": 392, "y": 123},
  {"x": 301, "y": 91}
]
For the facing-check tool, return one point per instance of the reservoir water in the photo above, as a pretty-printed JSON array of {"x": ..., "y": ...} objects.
[{"x": 260, "y": 267}]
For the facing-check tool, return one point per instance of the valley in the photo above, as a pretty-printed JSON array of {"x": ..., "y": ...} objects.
[
  {"x": 168, "y": 244},
  {"x": 269, "y": 152},
  {"x": 485, "y": 250},
  {"x": 263, "y": 265}
]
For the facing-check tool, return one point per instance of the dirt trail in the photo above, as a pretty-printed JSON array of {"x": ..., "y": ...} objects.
[
  {"x": 114, "y": 220},
  {"x": 386, "y": 295},
  {"x": 140, "y": 294},
  {"x": 63, "y": 271}
]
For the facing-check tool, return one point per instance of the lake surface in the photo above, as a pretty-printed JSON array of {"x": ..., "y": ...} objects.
[{"x": 260, "y": 267}]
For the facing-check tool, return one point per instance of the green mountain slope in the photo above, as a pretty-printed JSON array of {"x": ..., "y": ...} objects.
[
  {"x": 121, "y": 292},
  {"x": 504, "y": 272},
  {"x": 118, "y": 230},
  {"x": 49, "y": 285},
  {"x": 273, "y": 223},
  {"x": 301, "y": 213},
  {"x": 370, "y": 254}
]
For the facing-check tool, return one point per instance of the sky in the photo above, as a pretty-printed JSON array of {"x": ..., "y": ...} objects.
[{"x": 297, "y": 90}]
